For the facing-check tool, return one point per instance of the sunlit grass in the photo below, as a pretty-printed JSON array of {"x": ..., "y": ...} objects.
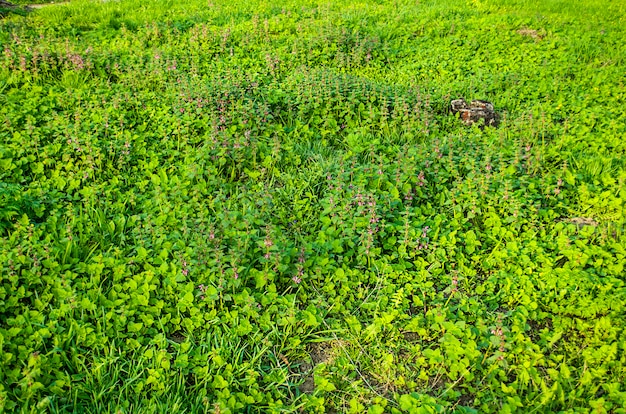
[{"x": 250, "y": 207}]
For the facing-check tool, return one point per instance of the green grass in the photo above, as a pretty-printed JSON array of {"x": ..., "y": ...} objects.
[{"x": 241, "y": 207}]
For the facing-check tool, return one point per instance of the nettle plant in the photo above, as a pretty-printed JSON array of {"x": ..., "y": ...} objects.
[{"x": 254, "y": 208}]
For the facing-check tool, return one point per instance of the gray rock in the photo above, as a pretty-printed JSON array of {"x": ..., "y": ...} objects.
[{"x": 475, "y": 111}]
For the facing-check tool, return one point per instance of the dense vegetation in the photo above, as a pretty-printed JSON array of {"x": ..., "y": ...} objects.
[{"x": 239, "y": 207}]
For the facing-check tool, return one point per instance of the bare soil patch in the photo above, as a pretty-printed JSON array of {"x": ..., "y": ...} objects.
[{"x": 537, "y": 35}]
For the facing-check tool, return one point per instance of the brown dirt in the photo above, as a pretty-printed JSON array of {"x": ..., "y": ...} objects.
[
  {"x": 531, "y": 33},
  {"x": 581, "y": 222},
  {"x": 320, "y": 352},
  {"x": 308, "y": 386}
]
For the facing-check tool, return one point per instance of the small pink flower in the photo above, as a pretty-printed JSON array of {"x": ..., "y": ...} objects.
[{"x": 421, "y": 180}]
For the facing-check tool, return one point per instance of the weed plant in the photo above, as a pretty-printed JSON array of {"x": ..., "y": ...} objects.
[{"x": 234, "y": 206}]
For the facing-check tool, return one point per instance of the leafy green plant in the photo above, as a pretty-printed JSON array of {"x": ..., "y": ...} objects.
[{"x": 245, "y": 207}]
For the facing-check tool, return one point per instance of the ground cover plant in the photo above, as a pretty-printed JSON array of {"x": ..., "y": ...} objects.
[{"x": 233, "y": 206}]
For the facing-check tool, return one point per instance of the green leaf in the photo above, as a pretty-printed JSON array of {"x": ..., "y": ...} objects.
[{"x": 219, "y": 382}]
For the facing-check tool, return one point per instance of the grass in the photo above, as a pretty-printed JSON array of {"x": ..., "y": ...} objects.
[{"x": 243, "y": 207}]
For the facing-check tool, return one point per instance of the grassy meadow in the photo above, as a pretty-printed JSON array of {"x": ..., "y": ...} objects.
[{"x": 233, "y": 206}]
